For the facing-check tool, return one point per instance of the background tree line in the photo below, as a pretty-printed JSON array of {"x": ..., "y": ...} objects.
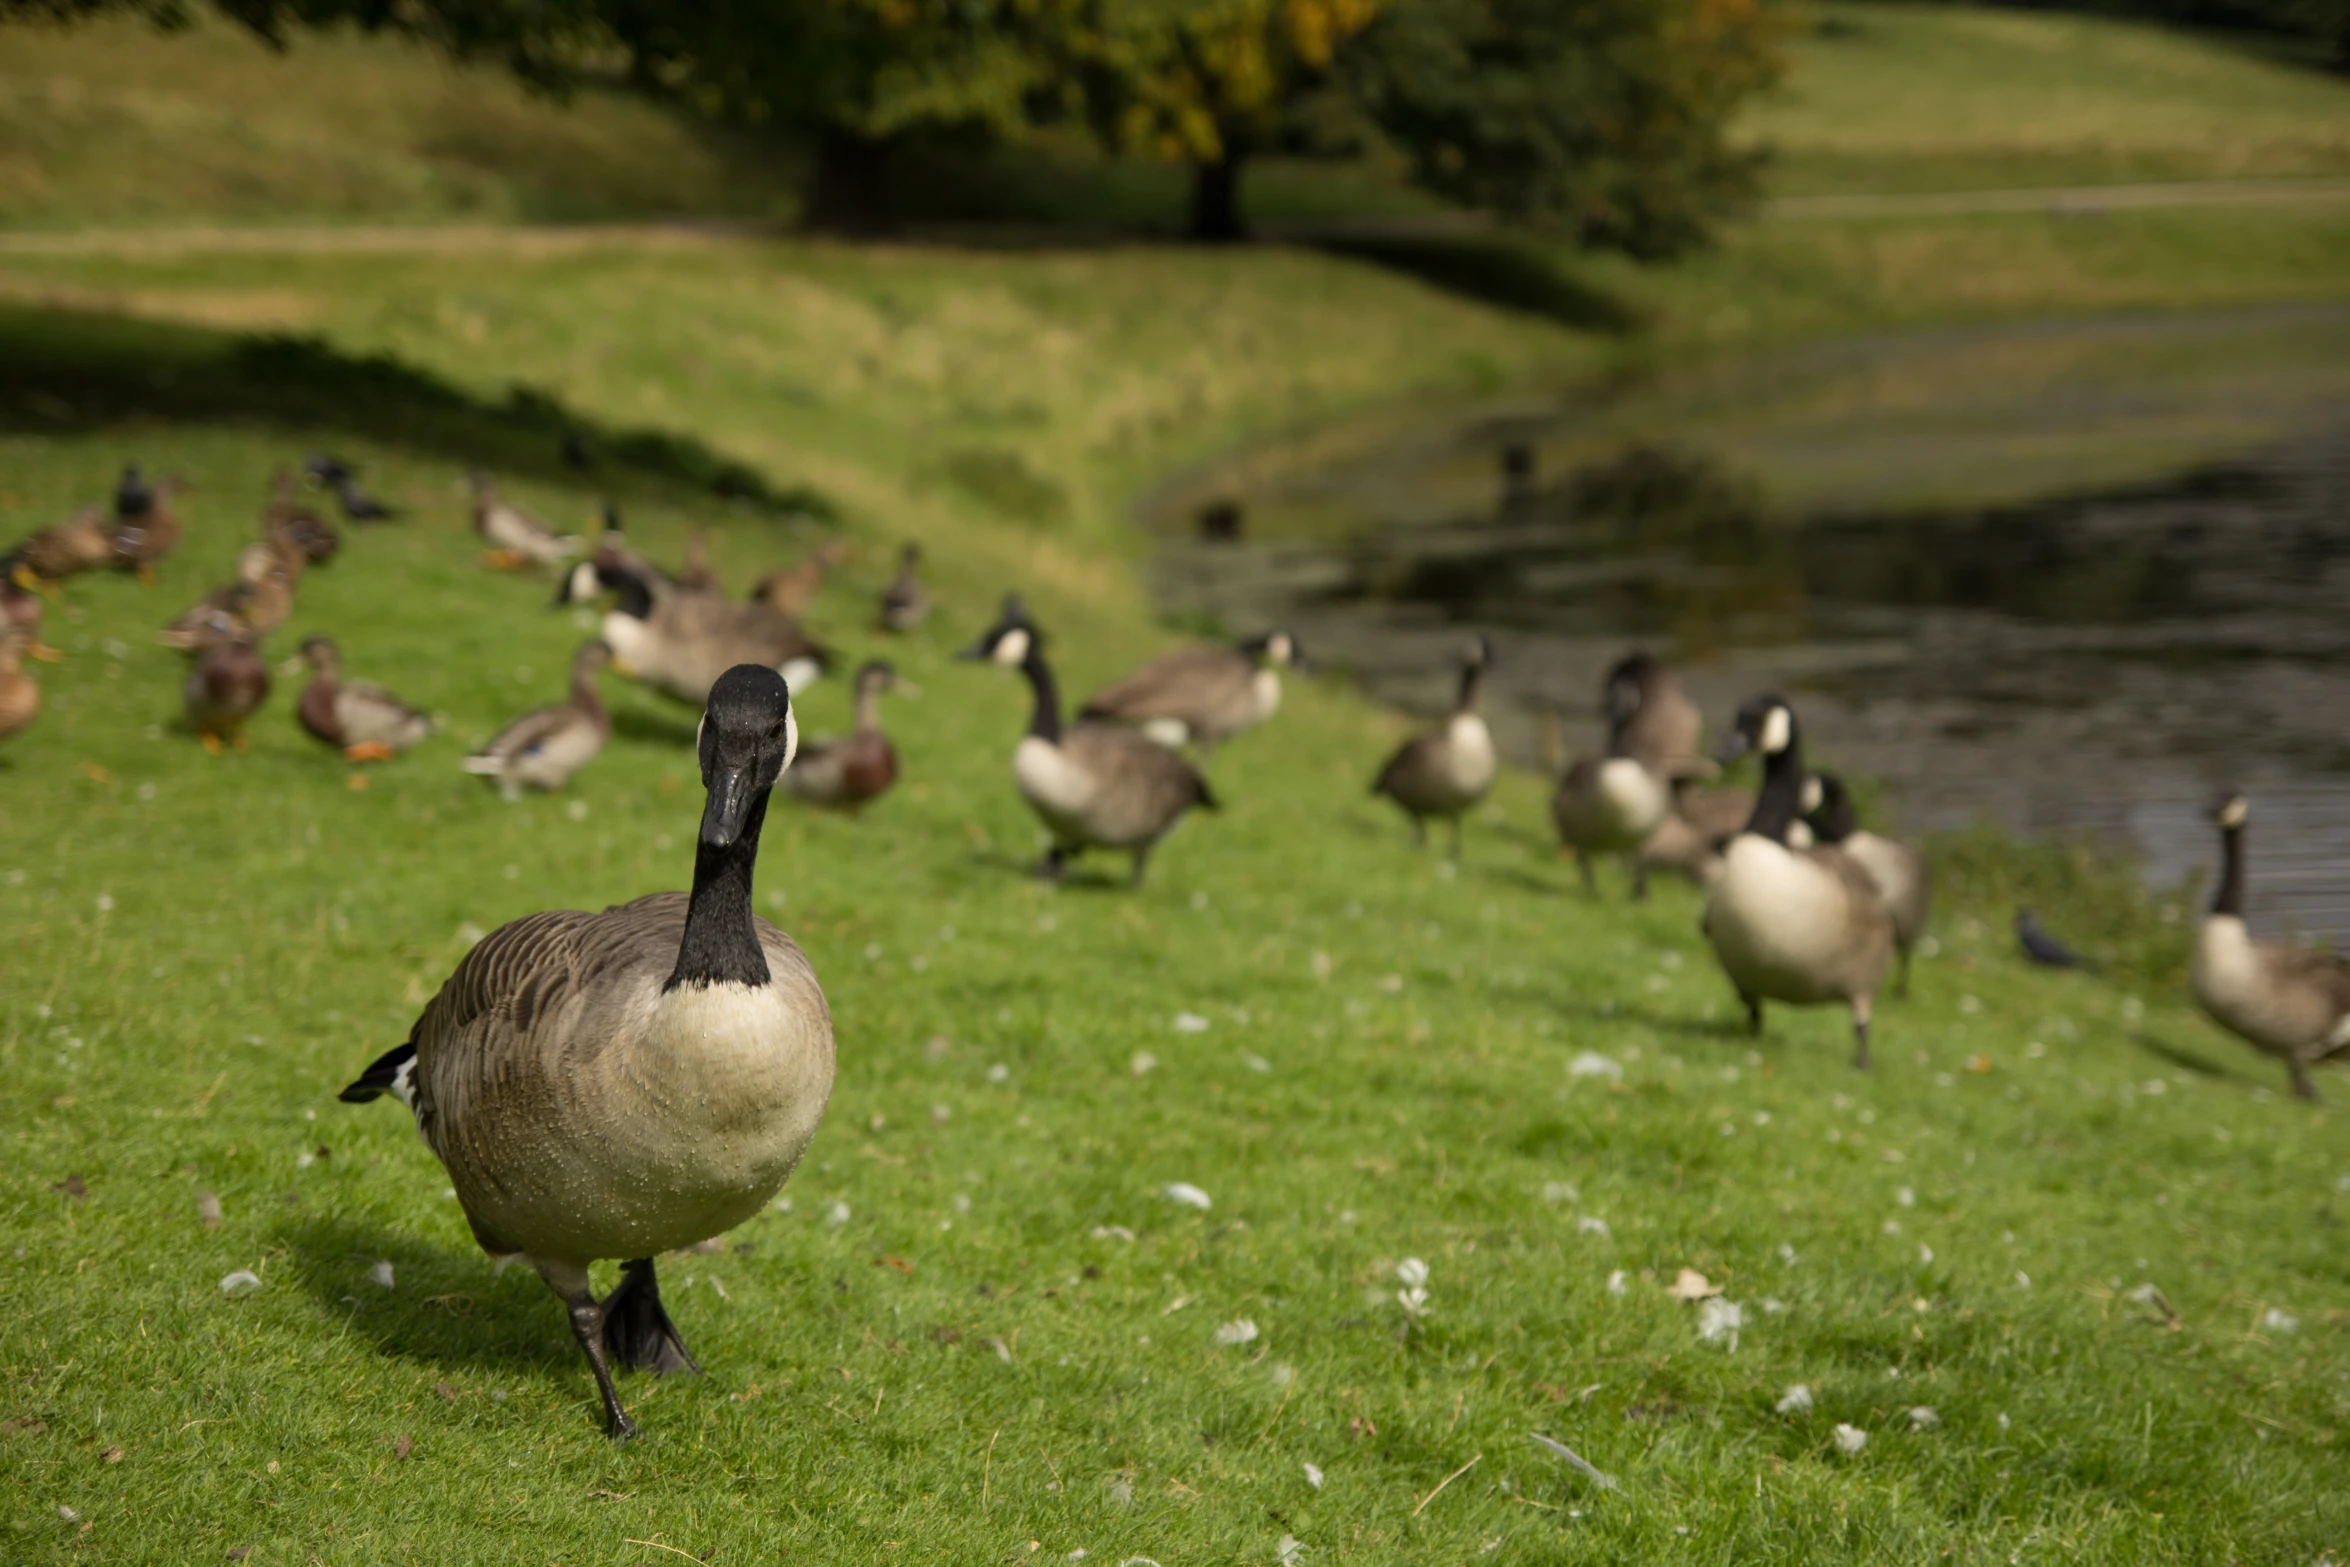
[{"x": 1604, "y": 121}]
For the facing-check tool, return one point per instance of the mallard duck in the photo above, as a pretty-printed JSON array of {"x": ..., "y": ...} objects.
[
  {"x": 516, "y": 538},
  {"x": 1448, "y": 769},
  {"x": 146, "y": 525},
  {"x": 1201, "y": 695},
  {"x": 1094, "y": 785},
  {"x": 367, "y": 722},
  {"x": 1799, "y": 925},
  {"x": 698, "y": 575},
  {"x": 905, "y": 604},
  {"x": 294, "y": 527},
  {"x": 1902, "y": 877},
  {"x": 2284, "y": 1001},
  {"x": 20, "y": 699},
  {"x": 226, "y": 686},
  {"x": 250, "y": 608},
  {"x": 854, "y": 769},
  {"x": 64, "y": 550},
  {"x": 679, "y": 643},
  {"x": 622, "y": 1084},
  {"x": 546, "y": 745},
  {"x": 792, "y": 589}
]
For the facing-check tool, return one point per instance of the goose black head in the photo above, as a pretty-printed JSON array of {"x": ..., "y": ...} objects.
[
  {"x": 1627, "y": 686},
  {"x": 747, "y": 738},
  {"x": 1481, "y": 655},
  {"x": 1009, "y": 641},
  {"x": 1828, "y": 808},
  {"x": 2228, "y": 809},
  {"x": 1765, "y": 724}
]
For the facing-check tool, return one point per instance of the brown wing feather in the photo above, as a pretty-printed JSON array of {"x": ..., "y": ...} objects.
[{"x": 1180, "y": 684}]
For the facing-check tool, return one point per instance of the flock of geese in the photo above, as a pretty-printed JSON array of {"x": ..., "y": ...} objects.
[{"x": 613, "y": 1085}]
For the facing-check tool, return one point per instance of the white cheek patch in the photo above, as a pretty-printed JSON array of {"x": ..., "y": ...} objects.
[
  {"x": 2233, "y": 814},
  {"x": 1775, "y": 731},
  {"x": 798, "y": 673},
  {"x": 1013, "y": 649},
  {"x": 1812, "y": 795},
  {"x": 791, "y": 739},
  {"x": 583, "y": 583},
  {"x": 1280, "y": 650}
]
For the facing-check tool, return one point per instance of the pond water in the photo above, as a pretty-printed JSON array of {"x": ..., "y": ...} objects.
[{"x": 2066, "y": 576}]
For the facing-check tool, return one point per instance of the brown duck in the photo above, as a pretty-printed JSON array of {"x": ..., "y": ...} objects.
[
  {"x": 367, "y": 722},
  {"x": 20, "y": 699},
  {"x": 251, "y": 607},
  {"x": 792, "y": 589},
  {"x": 854, "y": 769},
  {"x": 226, "y": 686},
  {"x": 64, "y": 550}
]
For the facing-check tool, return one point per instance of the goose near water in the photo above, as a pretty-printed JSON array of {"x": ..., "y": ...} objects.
[
  {"x": 1799, "y": 925},
  {"x": 1446, "y": 770},
  {"x": 2283, "y": 1000},
  {"x": 1094, "y": 785},
  {"x": 1615, "y": 803},
  {"x": 1201, "y": 696},
  {"x": 1899, "y": 872},
  {"x": 621, "y": 1084}
]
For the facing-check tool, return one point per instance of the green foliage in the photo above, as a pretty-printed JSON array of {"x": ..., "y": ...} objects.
[{"x": 1607, "y": 121}]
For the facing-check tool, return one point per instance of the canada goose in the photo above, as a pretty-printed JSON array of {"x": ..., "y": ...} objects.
[
  {"x": 20, "y": 699},
  {"x": 21, "y": 609},
  {"x": 905, "y": 603},
  {"x": 227, "y": 683},
  {"x": 611, "y": 553},
  {"x": 680, "y": 643},
  {"x": 66, "y": 549},
  {"x": 1902, "y": 877},
  {"x": 294, "y": 527},
  {"x": 1613, "y": 803},
  {"x": 1449, "y": 768},
  {"x": 621, "y": 1084},
  {"x": 251, "y": 607},
  {"x": 366, "y": 721},
  {"x": 1798, "y": 925},
  {"x": 1691, "y": 837},
  {"x": 1203, "y": 695},
  {"x": 2283, "y": 1000},
  {"x": 146, "y": 526},
  {"x": 516, "y": 538},
  {"x": 852, "y": 769},
  {"x": 546, "y": 745},
  {"x": 1094, "y": 785},
  {"x": 792, "y": 589}
]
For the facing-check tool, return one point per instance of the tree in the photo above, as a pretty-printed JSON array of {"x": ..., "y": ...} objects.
[{"x": 1605, "y": 120}]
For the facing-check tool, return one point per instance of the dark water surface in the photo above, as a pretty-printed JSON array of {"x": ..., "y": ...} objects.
[{"x": 2070, "y": 577}]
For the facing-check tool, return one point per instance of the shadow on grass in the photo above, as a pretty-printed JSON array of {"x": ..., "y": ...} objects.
[
  {"x": 2187, "y": 1060},
  {"x": 70, "y": 370},
  {"x": 446, "y": 1309},
  {"x": 1507, "y": 273},
  {"x": 653, "y": 727}
]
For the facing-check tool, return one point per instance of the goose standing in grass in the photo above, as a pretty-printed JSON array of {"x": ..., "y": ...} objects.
[
  {"x": 1690, "y": 840},
  {"x": 146, "y": 525},
  {"x": 1899, "y": 872},
  {"x": 546, "y": 745},
  {"x": 1201, "y": 695},
  {"x": 792, "y": 589},
  {"x": 20, "y": 699},
  {"x": 854, "y": 769},
  {"x": 1614, "y": 803},
  {"x": 2284, "y": 1001},
  {"x": 366, "y": 722},
  {"x": 680, "y": 643},
  {"x": 516, "y": 539},
  {"x": 1800, "y": 925},
  {"x": 1450, "y": 768},
  {"x": 905, "y": 603},
  {"x": 225, "y": 686},
  {"x": 1094, "y": 785},
  {"x": 621, "y": 1084},
  {"x": 65, "y": 549}
]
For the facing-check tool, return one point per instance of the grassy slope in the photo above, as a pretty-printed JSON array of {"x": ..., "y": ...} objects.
[{"x": 855, "y": 1412}]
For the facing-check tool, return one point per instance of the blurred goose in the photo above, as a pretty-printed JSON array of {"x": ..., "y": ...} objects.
[
  {"x": 2284, "y": 1001},
  {"x": 792, "y": 589},
  {"x": 905, "y": 604},
  {"x": 1446, "y": 770},
  {"x": 20, "y": 699},
  {"x": 1094, "y": 785},
  {"x": 680, "y": 643},
  {"x": 251, "y": 607},
  {"x": 294, "y": 527},
  {"x": 853, "y": 769},
  {"x": 1690, "y": 839},
  {"x": 1201, "y": 695},
  {"x": 516, "y": 538},
  {"x": 367, "y": 722},
  {"x": 1663, "y": 727},
  {"x": 1899, "y": 872},
  {"x": 546, "y": 745},
  {"x": 1800, "y": 925},
  {"x": 146, "y": 526},
  {"x": 622, "y": 1084},
  {"x": 66, "y": 549},
  {"x": 226, "y": 685},
  {"x": 1613, "y": 803}
]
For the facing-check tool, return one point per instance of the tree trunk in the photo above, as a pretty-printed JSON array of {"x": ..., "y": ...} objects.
[
  {"x": 1215, "y": 202},
  {"x": 848, "y": 192}
]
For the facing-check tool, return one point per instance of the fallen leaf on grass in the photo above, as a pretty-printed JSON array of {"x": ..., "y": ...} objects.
[
  {"x": 447, "y": 1392},
  {"x": 208, "y": 1210},
  {"x": 112, "y": 1455},
  {"x": 403, "y": 1445},
  {"x": 72, "y": 1186},
  {"x": 1690, "y": 1284}
]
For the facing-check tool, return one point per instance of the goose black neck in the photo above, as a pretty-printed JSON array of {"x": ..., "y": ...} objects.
[
  {"x": 1780, "y": 800},
  {"x": 2230, "y": 897},
  {"x": 1045, "y": 725},
  {"x": 635, "y": 598},
  {"x": 721, "y": 945},
  {"x": 1472, "y": 677}
]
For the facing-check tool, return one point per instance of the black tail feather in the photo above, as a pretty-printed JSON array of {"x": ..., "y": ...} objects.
[{"x": 380, "y": 1078}]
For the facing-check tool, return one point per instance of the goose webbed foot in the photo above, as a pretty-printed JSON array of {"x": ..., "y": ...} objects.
[
  {"x": 1860, "y": 1036},
  {"x": 588, "y": 1325},
  {"x": 636, "y": 1331},
  {"x": 1753, "y": 1014},
  {"x": 1054, "y": 864}
]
